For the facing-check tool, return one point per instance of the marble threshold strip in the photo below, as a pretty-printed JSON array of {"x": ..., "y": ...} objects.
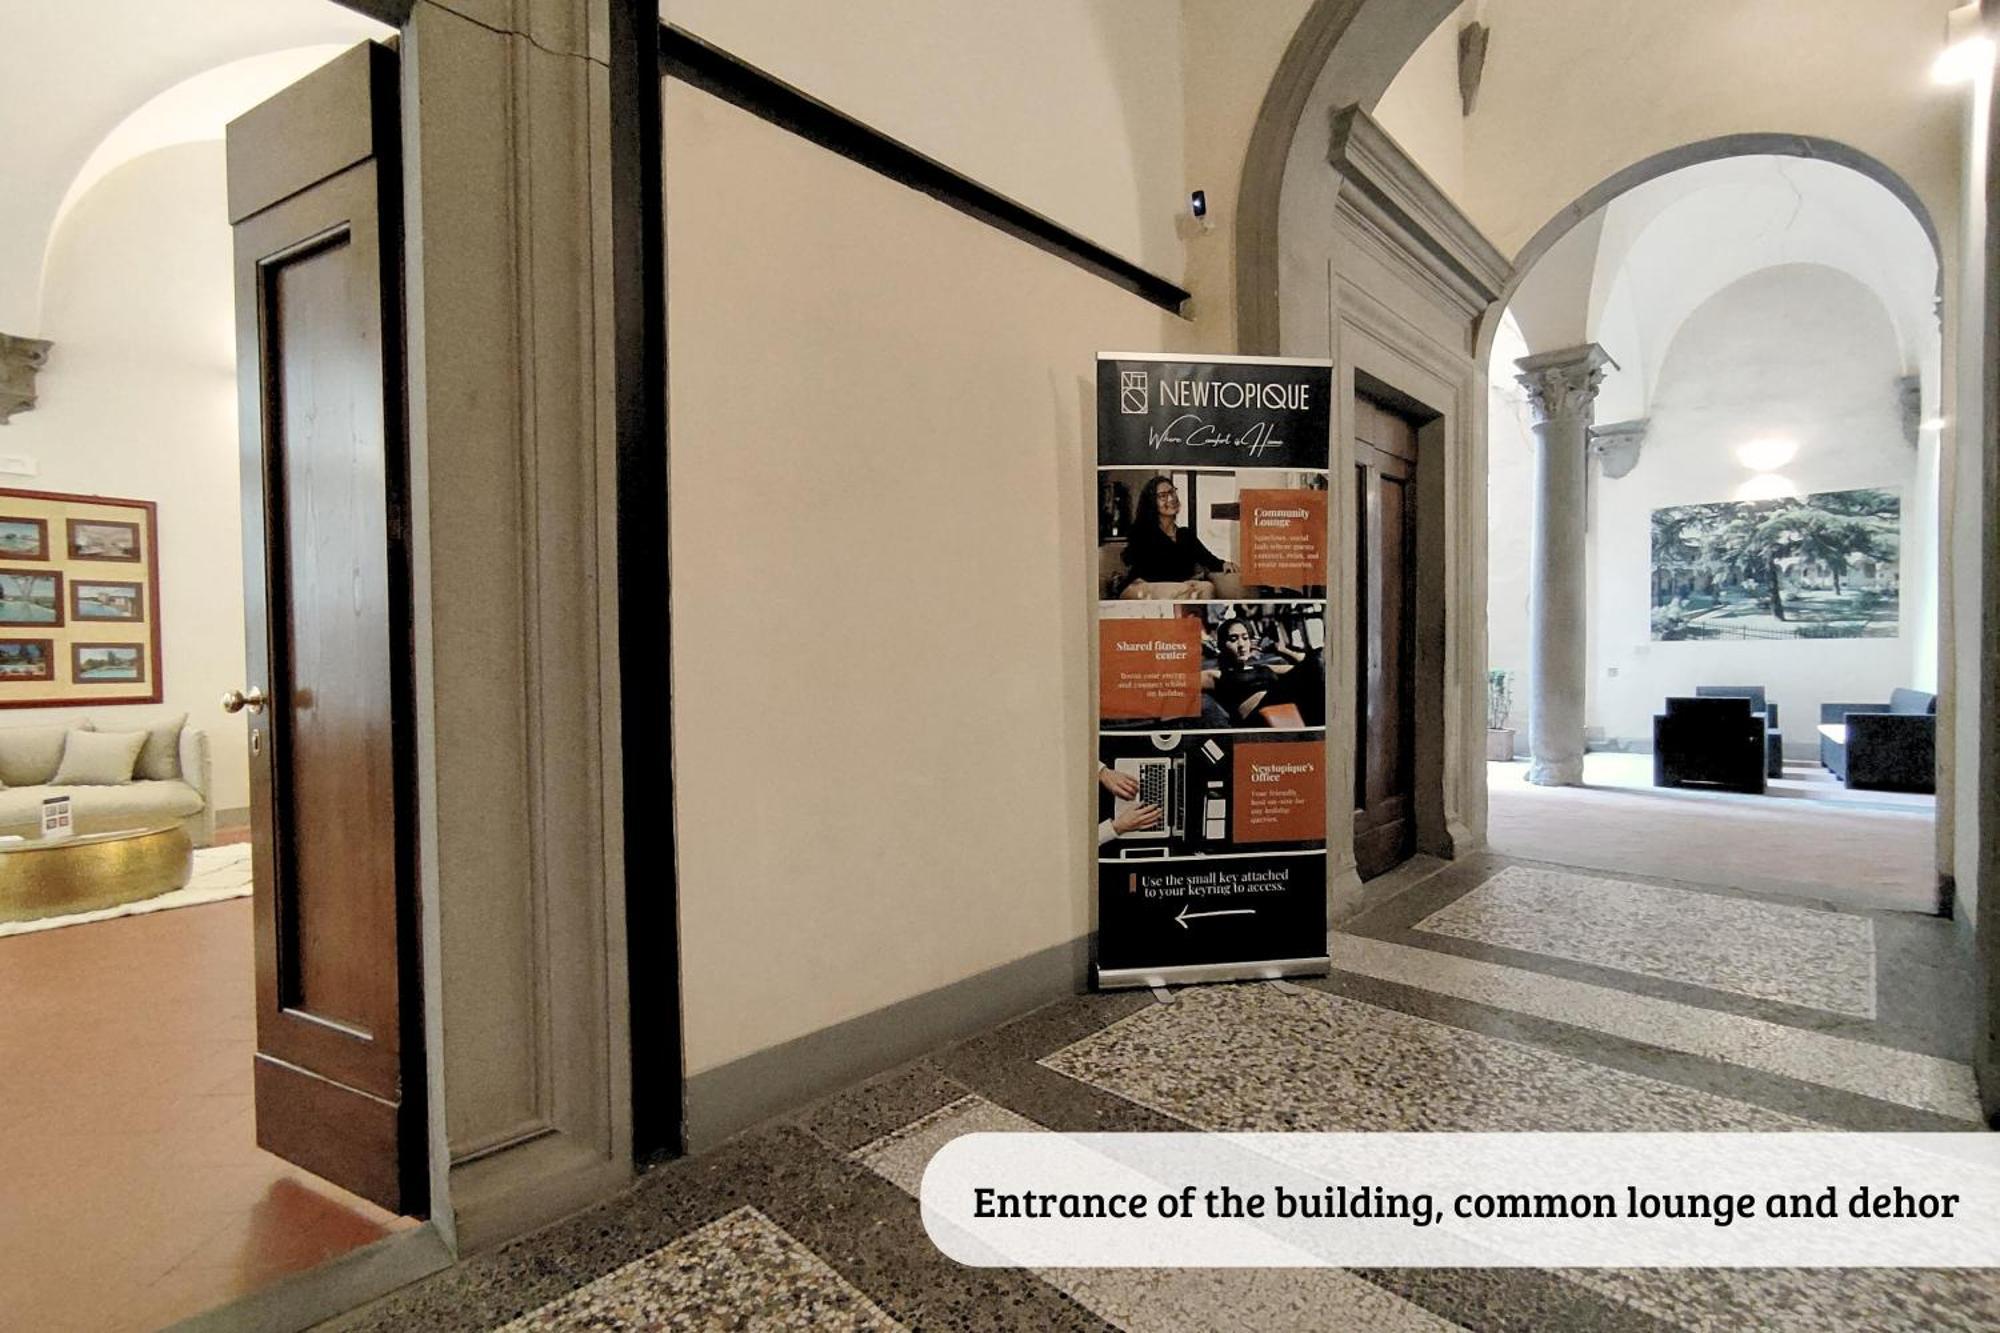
[{"x": 1906, "y": 1078}]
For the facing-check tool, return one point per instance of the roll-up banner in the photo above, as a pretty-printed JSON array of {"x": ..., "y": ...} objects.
[{"x": 1211, "y": 667}]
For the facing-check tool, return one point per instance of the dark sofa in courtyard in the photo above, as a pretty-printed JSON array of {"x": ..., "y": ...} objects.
[
  {"x": 1774, "y": 739},
  {"x": 1882, "y": 747},
  {"x": 1710, "y": 742}
]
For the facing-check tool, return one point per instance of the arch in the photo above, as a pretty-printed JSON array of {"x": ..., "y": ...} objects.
[
  {"x": 1348, "y": 52},
  {"x": 1936, "y": 624},
  {"x": 1344, "y": 52},
  {"x": 1667, "y": 161},
  {"x": 195, "y": 110}
]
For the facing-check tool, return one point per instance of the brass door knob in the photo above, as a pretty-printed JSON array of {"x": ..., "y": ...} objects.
[{"x": 237, "y": 700}]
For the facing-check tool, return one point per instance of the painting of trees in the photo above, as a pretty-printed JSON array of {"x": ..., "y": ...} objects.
[{"x": 1815, "y": 566}]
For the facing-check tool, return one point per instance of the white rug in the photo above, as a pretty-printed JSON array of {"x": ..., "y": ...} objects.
[{"x": 220, "y": 873}]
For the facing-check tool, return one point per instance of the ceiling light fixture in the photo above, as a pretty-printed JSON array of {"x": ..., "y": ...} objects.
[{"x": 1767, "y": 454}]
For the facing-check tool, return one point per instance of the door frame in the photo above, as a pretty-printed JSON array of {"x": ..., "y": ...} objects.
[{"x": 1379, "y": 353}]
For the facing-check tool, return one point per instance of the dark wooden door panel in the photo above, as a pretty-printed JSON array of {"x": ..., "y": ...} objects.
[
  {"x": 319, "y": 318},
  {"x": 1385, "y": 586}
]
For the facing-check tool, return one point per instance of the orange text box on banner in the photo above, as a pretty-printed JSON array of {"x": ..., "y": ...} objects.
[
  {"x": 1284, "y": 538},
  {"x": 1149, "y": 668},
  {"x": 1280, "y": 791}
]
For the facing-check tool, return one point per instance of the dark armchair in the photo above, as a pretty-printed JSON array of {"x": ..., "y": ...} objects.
[
  {"x": 1710, "y": 742},
  {"x": 1774, "y": 739},
  {"x": 1882, "y": 747}
]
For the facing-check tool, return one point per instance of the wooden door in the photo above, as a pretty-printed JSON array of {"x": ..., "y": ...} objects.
[
  {"x": 1385, "y": 526},
  {"x": 313, "y": 192}
]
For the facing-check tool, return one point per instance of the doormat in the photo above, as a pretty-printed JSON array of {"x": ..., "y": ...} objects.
[{"x": 220, "y": 873}]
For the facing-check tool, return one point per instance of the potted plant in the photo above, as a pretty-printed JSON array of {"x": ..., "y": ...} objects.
[{"x": 1499, "y": 703}]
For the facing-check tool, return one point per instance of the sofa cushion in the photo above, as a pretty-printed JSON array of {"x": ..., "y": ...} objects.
[
  {"x": 29, "y": 755},
  {"x": 1754, "y": 693},
  {"x": 102, "y": 809},
  {"x": 98, "y": 758},
  {"x": 161, "y": 757},
  {"x": 1912, "y": 701}
]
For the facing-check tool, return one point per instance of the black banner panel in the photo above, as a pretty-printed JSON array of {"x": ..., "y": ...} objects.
[
  {"x": 1224, "y": 414},
  {"x": 1213, "y": 540}
]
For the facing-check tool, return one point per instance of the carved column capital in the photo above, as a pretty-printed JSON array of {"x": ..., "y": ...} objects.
[
  {"x": 1563, "y": 385},
  {"x": 1910, "y": 397},
  {"x": 1617, "y": 445},
  {"x": 20, "y": 358}
]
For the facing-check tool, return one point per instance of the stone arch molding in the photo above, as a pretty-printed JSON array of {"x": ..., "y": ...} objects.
[
  {"x": 1345, "y": 53},
  {"x": 1692, "y": 154}
]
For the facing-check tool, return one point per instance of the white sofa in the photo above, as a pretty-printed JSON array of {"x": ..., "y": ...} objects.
[{"x": 182, "y": 798}]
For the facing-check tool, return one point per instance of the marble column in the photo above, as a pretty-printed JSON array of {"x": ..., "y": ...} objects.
[{"x": 1561, "y": 392}]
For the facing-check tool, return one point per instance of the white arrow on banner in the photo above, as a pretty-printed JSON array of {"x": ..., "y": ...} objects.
[{"x": 1187, "y": 916}]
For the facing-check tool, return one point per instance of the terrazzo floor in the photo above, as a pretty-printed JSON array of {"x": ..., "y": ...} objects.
[{"x": 1490, "y": 994}]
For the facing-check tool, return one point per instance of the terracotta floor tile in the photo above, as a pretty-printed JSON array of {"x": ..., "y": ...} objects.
[
  {"x": 83, "y": 1307},
  {"x": 132, "y": 1192}
]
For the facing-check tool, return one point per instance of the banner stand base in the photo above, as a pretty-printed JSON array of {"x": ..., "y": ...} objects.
[{"x": 1122, "y": 978}]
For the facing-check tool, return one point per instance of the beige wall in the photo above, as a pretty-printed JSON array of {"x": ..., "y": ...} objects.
[
  {"x": 1071, "y": 107},
  {"x": 880, "y": 455},
  {"x": 1423, "y": 112},
  {"x": 1799, "y": 351},
  {"x": 139, "y": 401},
  {"x": 1231, "y": 57}
]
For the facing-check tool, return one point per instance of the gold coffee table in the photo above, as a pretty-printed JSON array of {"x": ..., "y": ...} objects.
[{"x": 91, "y": 871}]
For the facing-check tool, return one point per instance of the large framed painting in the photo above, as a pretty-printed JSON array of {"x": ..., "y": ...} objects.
[
  {"x": 79, "y": 600},
  {"x": 1820, "y": 566}
]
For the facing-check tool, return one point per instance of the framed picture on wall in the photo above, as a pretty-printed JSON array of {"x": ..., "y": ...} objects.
[
  {"x": 23, "y": 538},
  {"x": 31, "y": 597},
  {"x": 27, "y": 659},
  {"x": 79, "y": 600},
  {"x": 107, "y": 601},
  {"x": 97, "y": 539},
  {"x": 107, "y": 662}
]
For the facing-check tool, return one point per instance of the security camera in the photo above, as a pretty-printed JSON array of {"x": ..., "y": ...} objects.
[{"x": 1197, "y": 220}]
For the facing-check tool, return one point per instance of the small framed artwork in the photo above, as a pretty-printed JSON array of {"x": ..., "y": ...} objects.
[
  {"x": 107, "y": 663},
  {"x": 31, "y": 597},
  {"x": 27, "y": 659},
  {"x": 23, "y": 538},
  {"x": 102, "y": 600},
  {"x": 104, "y": 539}
]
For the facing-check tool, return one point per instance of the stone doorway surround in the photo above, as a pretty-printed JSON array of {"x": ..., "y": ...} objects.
[{"x": 1411, "y": 281}]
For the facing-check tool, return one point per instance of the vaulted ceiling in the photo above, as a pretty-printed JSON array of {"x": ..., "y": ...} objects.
[
  {"x": 1631, "y": 274},
  {"x": 85, "y": 87}
]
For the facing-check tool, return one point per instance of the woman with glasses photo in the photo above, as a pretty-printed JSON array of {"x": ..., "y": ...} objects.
[{"x": 1163, "y": 560}]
